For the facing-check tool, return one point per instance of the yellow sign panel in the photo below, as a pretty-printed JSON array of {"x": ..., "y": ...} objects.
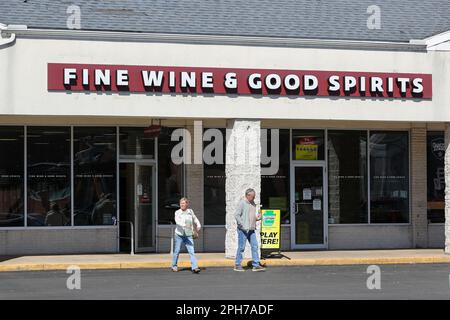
[
  {"x": 270, "y": 229},
  {"x": 306, "y": 151}
]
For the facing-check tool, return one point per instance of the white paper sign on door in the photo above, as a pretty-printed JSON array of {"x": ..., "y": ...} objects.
[
  {"x": 306, "y": 194},
  {"x": 139, "y": 189},
  {"x": 317, "y": 204}
]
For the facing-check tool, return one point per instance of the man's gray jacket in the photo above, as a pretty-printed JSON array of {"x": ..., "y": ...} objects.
[{"x": 241, "y": 214}]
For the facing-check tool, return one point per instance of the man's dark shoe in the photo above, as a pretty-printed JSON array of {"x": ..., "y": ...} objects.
[
  {"x": 238, "y": 268},
  {"x": 258, "y": 268},
  {"x": 196, "y": 270}
]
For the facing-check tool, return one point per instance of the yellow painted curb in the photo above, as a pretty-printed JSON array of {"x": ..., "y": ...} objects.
[
  {"x": 86, "y": 266},
  {"x": 22, "y": 267},
  {"x": 145, "y": 265},
  {"x": 223, "y": 263}
]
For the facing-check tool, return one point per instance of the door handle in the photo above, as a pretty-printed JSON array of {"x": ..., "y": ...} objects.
[{"x": 295, "y": 208}]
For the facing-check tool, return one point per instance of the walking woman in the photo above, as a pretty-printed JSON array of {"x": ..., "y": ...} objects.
[{"x": 187, "y": 229}]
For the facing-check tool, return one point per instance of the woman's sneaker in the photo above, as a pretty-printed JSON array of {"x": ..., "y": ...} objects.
[
  {"x": 238, "y": 268},
  {"x": 258, "y": 268},
  {"x": 174, "y": 269}
]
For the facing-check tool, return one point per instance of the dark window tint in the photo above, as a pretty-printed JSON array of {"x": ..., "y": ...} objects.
[
  {"x": 94, "y": 175},
  {"x": 275, "y": 189},
  {"x": 48, "y": 152},
  {"x": 347, "y": 176},
  {"x": 11, "y": 176},
  {"x": 170, "y": 178},
  {"x": 136, "y": 143},
  {"x": 389, "y": 177},
  {"x": 214, "y": 177},
  {"x": 435, "y": 176}
]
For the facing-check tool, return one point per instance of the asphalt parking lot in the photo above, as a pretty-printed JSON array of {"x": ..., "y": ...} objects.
[{"x": 406, "y": 281}]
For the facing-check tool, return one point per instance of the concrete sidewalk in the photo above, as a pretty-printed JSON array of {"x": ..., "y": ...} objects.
[{"x": 297, "y": 258}]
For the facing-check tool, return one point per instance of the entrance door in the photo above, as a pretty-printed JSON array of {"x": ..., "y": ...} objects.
[
  {"x": 138, "y": 205},
  {"x": 145, "y": 208},
  {"x": 308, "y": 206}
]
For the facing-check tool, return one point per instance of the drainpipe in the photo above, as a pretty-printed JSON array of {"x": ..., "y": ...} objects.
[{"x": 12, "y": 36}]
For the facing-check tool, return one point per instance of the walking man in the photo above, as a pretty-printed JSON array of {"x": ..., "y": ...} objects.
[{"x": 246, "y": 217}]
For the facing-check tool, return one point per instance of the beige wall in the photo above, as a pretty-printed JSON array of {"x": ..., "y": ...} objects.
[
  {"x": 436, "y": 236},
  {"x": 369, "y": 237},
  {"x": 214, "y": 239},
  {"x": 340, "y": 237},
  {"x": 55, "y": 241},
  {"x": 164, "y": 234}
]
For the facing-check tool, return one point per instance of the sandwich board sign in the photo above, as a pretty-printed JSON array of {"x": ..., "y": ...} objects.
[{"x": 270, "y": 230}]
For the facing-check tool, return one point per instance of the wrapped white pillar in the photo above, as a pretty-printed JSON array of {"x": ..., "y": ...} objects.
[
  {"x": 242, "y": 170},
  {"x": 447, "y": 187}
]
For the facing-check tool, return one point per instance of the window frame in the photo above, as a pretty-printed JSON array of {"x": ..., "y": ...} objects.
[
  {"x": 71, "y": 175},
  {"x": 24, "y": 185},
  {"x": 25, "y": 182},
  {"x": 408, "y": 131},
  {"x": 72, "y": 226},
  {"x": 433, "y": 131},
  {"x": 203, "y": 169},
  {"x": 367, "y": 173},
  {"x": 183, "y": 182},
  {"x": 116, "y": 173}
]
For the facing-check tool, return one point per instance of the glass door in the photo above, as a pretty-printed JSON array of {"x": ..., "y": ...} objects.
[
  {"x": 308, "y": 207},
  {"x": 145, "y": 208}
]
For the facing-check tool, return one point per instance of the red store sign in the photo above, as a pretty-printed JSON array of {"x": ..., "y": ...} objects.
[{"x": 202, "y": 80}]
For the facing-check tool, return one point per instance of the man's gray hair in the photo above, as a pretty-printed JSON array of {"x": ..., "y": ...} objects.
[{"x": 250, "y": 190}]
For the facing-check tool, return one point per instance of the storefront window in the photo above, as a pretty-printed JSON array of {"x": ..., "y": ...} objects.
[
  {"x": 214, "y": 185},
  {"x": 48, "y": 160},
  {"x": 435, "y": 176},
  {"x": 389, "y": 171},
  {"x": 136, "y": 143},
  {"x": 95, "y": 188},
  {"x": 307, "y": 145},
  {"x": 11, "y": 177},
  {"x": 347, "y": 176},
  {"x": 275, "y": 187},
  {"x": 170, "y": 178}
]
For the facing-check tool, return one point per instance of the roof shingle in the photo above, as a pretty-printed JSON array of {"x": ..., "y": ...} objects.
[{"x": 401, "y": 20}]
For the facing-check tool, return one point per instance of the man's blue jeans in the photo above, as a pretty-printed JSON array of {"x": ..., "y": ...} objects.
[
  {"x": 243, "y": 237},
  {"x": 189, "y": 243}
]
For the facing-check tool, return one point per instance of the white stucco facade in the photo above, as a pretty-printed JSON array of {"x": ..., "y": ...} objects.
[{"x": 24, "y": 66}]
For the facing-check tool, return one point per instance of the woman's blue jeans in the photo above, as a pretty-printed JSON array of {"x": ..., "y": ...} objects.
[
  {"x": 243, "y": 237},
  {"x": 189, "y": 243}
]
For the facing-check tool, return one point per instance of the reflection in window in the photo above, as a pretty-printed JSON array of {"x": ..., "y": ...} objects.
[
  {"x": 170, "y": 178},
  {"x": 389, "y": 183},
  {"x": 94, "y": 175},
  {"x": 214, "y": 179},
  {"x": 275, "y": 188},
  {"x": 11, "y": 177},
  {"x": 307, "y": 145},
  {"x": 435, "y": 176},
  {"x": 347, "y": 176},
  {"x": 48, "y": 152},
  {"x": 135, "y": 143}
]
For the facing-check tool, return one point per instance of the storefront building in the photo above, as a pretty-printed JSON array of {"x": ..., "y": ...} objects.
[{"x": 347, "y": 137}]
